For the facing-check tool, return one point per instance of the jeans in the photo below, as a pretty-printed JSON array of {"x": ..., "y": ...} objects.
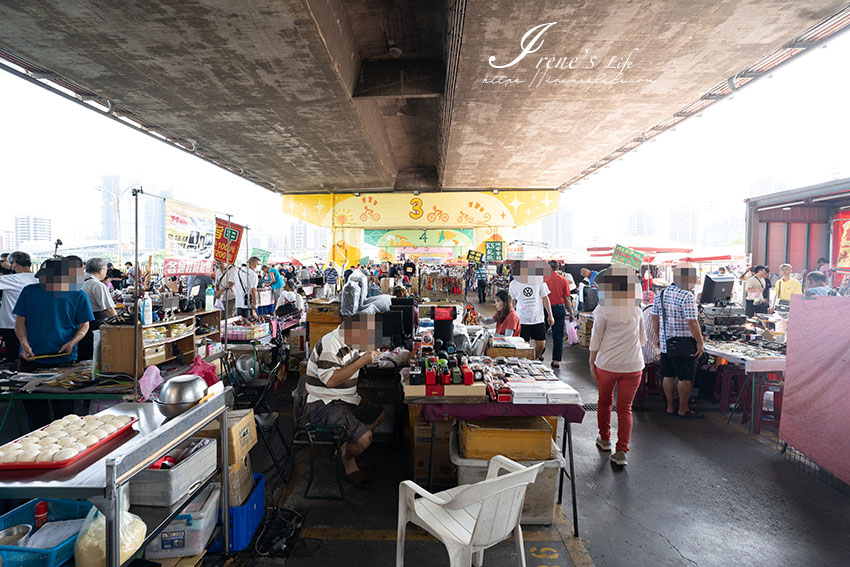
[
  {"x": 627, "y": 386},
  {"x": 559, "y": 313},
  {"x": 482, "y": 291}
]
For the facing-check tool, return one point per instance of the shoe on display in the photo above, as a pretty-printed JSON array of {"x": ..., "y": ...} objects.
[
  {"x": 603, "y": 444},
  {"x": 619, "y": 458}
]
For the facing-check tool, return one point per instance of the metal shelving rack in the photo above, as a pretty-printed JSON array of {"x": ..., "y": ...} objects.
[{"x": 100, "y": 475}]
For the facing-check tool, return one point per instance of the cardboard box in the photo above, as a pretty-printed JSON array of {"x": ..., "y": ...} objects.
[
  {"x": 444, "y": 470},
  {"x": 475, "y": 390},
  {"x": 508, "y": 352},
  {"x": 155, "y": 355},
  {"x": 298, "y": 340},
  {"x": 323, "y": 311},
  {"x": 241, "y": 434},
  {"x": 387, "y": 285},
  {"x": 241, "y": 477},
  {"x": 517, "y": 438}
]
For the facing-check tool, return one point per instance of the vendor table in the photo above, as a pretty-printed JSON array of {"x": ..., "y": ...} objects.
[
  {"x": 752, "y": 366},
  {"x": 433, "y": 411},
  {"x": 13, "y": 397},
  {"x": 99, "y": 476}
]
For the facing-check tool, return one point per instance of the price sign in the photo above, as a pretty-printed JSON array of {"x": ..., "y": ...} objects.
[
  {"x": 627, "y": 257},
  {"x": 474, "y": 257},
  {"x": 494, "y": 250}
]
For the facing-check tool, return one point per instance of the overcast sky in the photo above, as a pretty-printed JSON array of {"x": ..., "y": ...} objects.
[{"x": 789, "y": 130}]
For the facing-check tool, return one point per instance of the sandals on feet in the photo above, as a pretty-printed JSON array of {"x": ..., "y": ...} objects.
[
  {"x": 359, "y": 479},
  {"x": 692, "y": 414}
]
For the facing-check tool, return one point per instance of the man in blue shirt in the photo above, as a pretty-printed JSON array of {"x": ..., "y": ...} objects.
[
  {"x": 817, "y": 284},
  {"x": 590, "y": 276},
  {"x": 53, "y": 315}
]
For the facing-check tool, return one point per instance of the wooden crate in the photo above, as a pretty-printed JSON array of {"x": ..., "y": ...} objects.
[
  {"x": 508, "y": 352},
  {"x": 119, "y": 356},
  {"x": 518, "y": 438}
]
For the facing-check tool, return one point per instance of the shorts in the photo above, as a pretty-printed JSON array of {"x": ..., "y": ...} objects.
[
  {"x": 536, "y": 332},
  {"x": 353, "y": 418},
  {"x": 681, "y": 367}
]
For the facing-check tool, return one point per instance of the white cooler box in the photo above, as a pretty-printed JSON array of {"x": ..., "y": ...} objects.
[
  {"x": 540, "y": 497},
  {"x": 154, "y": 487},
  {"x": 190, "y": 532}
]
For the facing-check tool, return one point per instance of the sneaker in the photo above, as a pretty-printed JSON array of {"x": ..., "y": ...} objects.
[
  {"x": 603, "y": 444},
  {"x": 619, "y": 458}
]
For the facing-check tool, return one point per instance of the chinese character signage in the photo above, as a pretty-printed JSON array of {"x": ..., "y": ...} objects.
[
  {"x": 189, "y": 239},
  {"x": 493, "y": 250},
  {"x": 514, "y": 253},
  {"x": 627, "y": 257},
  {"x": 474, "y": 257},
  {"x": 225, "y": 234},
  {"x": 263, "y": 255}
]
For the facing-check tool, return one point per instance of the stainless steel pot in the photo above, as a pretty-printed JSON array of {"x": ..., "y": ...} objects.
[{"x": 179, "y": 394}]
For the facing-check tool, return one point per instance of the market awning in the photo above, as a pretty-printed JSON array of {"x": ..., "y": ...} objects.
[{"x": 332, "y": 96}]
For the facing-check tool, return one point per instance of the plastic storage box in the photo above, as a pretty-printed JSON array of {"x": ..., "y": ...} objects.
[
  {"x": 245, "y": 519},
  {"x": 154, "y": 487},
  {"x": 190, "y": 532},
  {"x": 57, "y": 510},
  {"x": 539, "y": 506}
]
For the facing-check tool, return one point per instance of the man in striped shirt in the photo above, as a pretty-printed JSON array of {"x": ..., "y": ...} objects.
[
  {"x": 481, "y": 276},
  {"x": 332, "y": 399},
  {"x": 331, "y": 277}
]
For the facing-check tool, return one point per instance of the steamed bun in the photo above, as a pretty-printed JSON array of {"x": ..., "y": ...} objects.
[
  {"x": 27, "y": 456},
  {"x": 64, "y": 455},
  {"x": 122, "y": 419},
  {"x": 109, "y": 428},
  {"x": 9, "y": 456},
  {"x": 46, "y": 456},
  {"x": 89, "y": 440},
  {"x": 99, "y": 433}
]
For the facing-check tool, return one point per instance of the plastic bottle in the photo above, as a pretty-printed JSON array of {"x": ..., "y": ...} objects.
[
  {"x": 40, "y": 514},
  {"x": 210, "y": 299},
  {"x": 146, "y": 308}
]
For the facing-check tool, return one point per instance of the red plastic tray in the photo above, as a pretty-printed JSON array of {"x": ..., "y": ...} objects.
[{"x": 72, "y": 460}]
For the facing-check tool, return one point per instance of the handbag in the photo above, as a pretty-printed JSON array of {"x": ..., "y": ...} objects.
[{"x": 677, "y": 346}]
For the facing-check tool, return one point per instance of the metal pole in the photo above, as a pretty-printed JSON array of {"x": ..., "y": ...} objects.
[
  {"x": 136, "y": 294},
  {"x": 247, "y": 248},
  {"x": 226, "y": 289},
  {"x": 225, "y": 484},
  {"x": 118, "y": 223}
]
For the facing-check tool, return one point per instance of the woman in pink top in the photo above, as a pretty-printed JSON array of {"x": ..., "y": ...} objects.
[{"x": 616, "y": 358}]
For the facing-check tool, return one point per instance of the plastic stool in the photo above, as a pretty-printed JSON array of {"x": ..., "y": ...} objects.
[
  {"x": 731, "y": 380},
  {"x": 762, "y": 388}
]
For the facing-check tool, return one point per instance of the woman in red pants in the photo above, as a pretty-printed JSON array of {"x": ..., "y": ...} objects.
[{"x": 615, "y": 354}]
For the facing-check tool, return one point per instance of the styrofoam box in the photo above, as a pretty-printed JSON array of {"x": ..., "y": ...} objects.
[
  {"x": 154, "y": 487},
  {"x": 539, "y": 506},
  {"x": 190, "y": 532}
]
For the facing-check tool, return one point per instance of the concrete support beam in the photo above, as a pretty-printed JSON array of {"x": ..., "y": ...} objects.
[{"x": 400, "y": 78}]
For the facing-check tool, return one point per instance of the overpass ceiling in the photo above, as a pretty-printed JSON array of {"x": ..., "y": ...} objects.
[{"x": 341, "y": 95}]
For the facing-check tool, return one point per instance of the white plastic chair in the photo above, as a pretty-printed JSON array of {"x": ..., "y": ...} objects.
[{"x": 471, "y": 518}]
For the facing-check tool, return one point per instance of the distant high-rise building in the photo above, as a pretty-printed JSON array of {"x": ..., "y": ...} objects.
[
  {"x": 641, "y": 223},
  {"x": 32, "y": 228},
  {"x": 557, "y": 229},
  {"x": 683, "y": 226},
  {"x": 117, "y": 203},
  {"x": 7, "y": 240}
]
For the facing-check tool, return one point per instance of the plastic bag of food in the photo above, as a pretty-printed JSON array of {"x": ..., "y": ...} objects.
[
  {"x": 350, "y": 303},
  {"x": 90, "y": 549},
  {"x": 359, "y": 277}
]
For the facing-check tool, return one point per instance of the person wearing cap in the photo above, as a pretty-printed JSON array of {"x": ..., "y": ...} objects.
[
  {"x": 11, "y": 286},
  {"x": 53, "y": 315}
]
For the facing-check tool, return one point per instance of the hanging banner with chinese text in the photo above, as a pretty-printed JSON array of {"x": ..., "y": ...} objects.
[
  {"x": 189, "y": 239},
  {"x": 225, "y": 234},
  {"x": 493, "y": 250},
  {"x": 627, "y": 257}
]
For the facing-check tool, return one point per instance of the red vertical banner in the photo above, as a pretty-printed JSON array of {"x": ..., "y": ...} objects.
[{"x": 225, "y": 234}]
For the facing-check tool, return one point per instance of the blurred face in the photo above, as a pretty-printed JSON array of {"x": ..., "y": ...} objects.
[
  {"x": 585, "y": 273},
  {"x": 685, "y": 276},
  {"x": 253, "y": 265},
  {"x": 619, "y": 288},
  {"x": 532, "y": 271},
  {"x": 500, "y": 305},
  {"x": 361, "y": 331},
  {"x": 785, "y": 271},
  {"x": 61, "y": 275}
]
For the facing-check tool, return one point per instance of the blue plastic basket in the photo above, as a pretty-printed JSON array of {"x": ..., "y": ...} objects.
[
  {"x": 57, "y": 510},
  {"x": 245, "y": 519}
]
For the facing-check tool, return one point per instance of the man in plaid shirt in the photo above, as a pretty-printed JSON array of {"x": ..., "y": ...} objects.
[{"x": 680, "y": 320}]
